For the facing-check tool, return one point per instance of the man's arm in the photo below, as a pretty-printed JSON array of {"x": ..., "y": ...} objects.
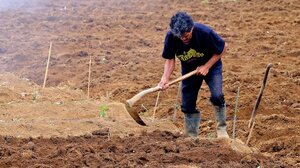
[
  {"x": 168, "y": 69},
  {"x": 204, "y": 69}
]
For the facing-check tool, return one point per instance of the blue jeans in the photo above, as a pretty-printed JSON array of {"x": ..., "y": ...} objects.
[{"x": 192, "y": 85}]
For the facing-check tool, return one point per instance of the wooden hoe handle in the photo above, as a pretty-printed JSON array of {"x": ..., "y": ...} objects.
[{"x": 138, "y": 96}]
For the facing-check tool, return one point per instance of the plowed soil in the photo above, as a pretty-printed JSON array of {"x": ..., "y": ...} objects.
[{"x": 60, "y": 126}]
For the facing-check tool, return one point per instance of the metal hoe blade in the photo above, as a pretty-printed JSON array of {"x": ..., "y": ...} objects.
[{"x": 134, "y": 115}]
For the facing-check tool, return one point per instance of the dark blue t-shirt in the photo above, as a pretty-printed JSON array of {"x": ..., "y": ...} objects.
[{"x": 203, "y": 45}]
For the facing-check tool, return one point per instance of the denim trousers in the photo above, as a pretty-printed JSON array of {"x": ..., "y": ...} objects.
[{"x": 191, "y": 86}]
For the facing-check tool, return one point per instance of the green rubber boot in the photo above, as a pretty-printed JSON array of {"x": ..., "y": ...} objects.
[
  {"x": 191, "y": 124},
  {"x": 221, "y": 121}
]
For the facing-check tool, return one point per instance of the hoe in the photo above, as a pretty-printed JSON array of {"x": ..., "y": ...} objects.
[{"x": 130, "y": 102}]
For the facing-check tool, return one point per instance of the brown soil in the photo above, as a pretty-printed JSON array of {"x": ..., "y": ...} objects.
[{"x": 58, "y": 126}]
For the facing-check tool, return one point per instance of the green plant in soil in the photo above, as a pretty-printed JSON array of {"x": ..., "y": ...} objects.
[
  {"x": 210, "y": 135},
  {"x": 102, "y": 110}
]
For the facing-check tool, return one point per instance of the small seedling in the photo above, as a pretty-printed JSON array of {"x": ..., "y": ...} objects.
[
  {"x": 36, "y": 95},
  {"x": 205, "y": 1},
  {"x": 102, "y": 110},
  {"x": 143, "y": 113},
  {"x": 210, "y": 135}
]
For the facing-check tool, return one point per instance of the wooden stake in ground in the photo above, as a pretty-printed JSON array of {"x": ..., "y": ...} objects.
[
  {"x": 252, "y": 120},
  {"x": 235, "y": 111},
  {"x": 177, "y": 102},
  {"x": 156, "y": 103},
  {"x": 89, "y": 78},
  {"x": 260, "y": 95},
  {"x": 46, "y": 72}
]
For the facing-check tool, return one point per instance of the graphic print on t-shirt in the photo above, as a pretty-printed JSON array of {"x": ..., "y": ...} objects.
[{"x": 186, "y": 56}]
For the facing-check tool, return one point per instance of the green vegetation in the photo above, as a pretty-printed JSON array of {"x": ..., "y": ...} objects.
[
  {"x": 102, "y": 110},
  {"x": 210, "y": 135}
]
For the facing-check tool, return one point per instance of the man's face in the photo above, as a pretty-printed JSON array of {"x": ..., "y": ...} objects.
[{"x": 187, "y": 36}]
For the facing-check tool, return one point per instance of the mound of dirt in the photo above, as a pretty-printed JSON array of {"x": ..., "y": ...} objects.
[
  {"x": 150, "y": 150},
  {"x": 33, "y": 111}
]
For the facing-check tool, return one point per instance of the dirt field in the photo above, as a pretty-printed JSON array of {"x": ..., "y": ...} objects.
[{"x": 58, "y": 126}]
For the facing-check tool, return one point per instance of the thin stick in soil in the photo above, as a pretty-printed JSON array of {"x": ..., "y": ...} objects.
[
  {"x": 252, "y": 120},
  {"x": 155, "y": 107},
  {"x": 259, "y": 95},
  {"x": 235, "y": 112},
  {"x": 47, "y": 67},
  {"x": 176, "y": 103},
  {"x": 89, "y": 78}
]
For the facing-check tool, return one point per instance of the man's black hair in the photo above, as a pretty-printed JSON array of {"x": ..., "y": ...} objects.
[{"x": 180, "y": 23}]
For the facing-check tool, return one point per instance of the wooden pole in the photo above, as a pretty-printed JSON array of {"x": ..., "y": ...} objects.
[
  {"x": 176, "y": 104},
  {"x": 250, "y": 133},
  {"x": 235, "y": 111},
  {"x": 46, "y": 73},
  {"x": 89, "y": 78},
  {"x": 156, "y": 103},
  {"x": 252, "y": 120},
  {"x": 259, "y": 95}
]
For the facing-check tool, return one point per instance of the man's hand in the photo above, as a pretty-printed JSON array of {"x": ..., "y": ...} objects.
[
  {"x": 168, "y": 69},
  {"x": 202, "y": 70},
  {"x": 163, "y": 84}
]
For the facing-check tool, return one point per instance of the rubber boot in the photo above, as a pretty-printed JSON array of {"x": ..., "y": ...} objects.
[
  {"x": 221, "y": 121},
  {"x": 191, "y": 124}
]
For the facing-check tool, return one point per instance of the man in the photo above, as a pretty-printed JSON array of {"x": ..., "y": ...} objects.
[{"x": 197, "y": 47}]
